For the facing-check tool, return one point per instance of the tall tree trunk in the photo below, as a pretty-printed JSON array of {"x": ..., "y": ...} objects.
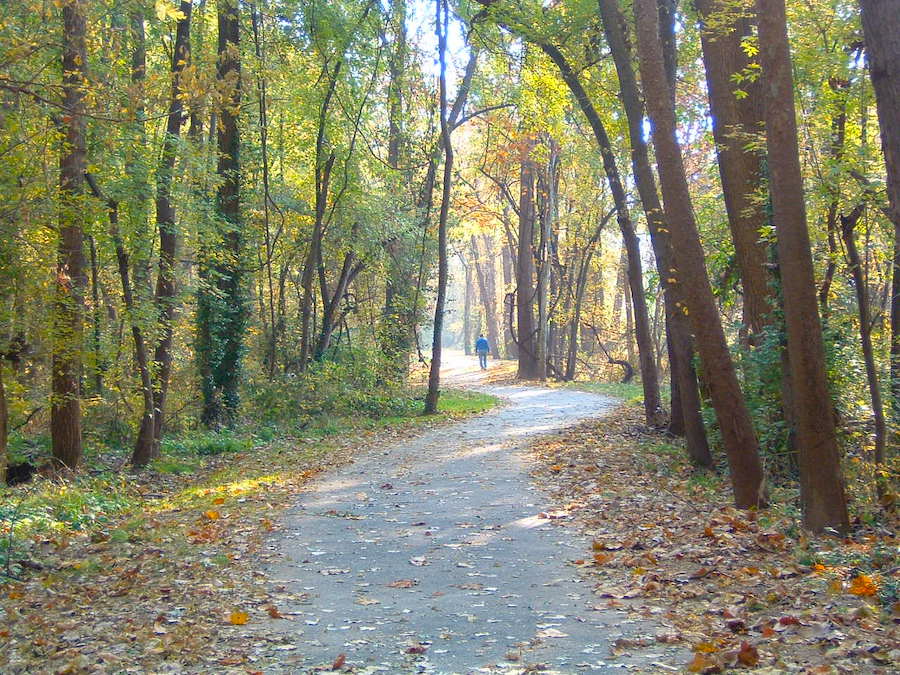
[
  {"x": 548, "y": 182},
  {"x": 490, "y": 282},
  {"x": 685, "y": 419},
  {"x": 737, "y": 120},
  {"x": 322, "y": 171},
  {"x": 738, "y": 435},
  {"x": 525, "y": 288},
  {"x": 821, "y": 484},
  {"x": 97, "y": 365},
  {"x": 484, "y": 275},
  {"x": 649, "y": 381},
  {"x": 221, "y": 305},
  {"x": 331, "y": 313},
  {"x": 737, "y": 114},
  {"x": 848, "y": 232},
  {"x": 629, "y": 325},
  {"x": 146, "y": 446},
  {"x": 881, "y": 29},
  {"x": 400, "y": 315},
  {"x": 68, "y": 328},
  {"x": 580, "y": 286},
  {"x": 836, "y": 152},
  {"x": 434, "y": 374},
  {"x": 506, "y": 253},
  {"x": 4, "y": 429},
  {"x": 261, "y": 90},
  {"x": 467, "y": 308},
  {"x": 397, "y": 74}
]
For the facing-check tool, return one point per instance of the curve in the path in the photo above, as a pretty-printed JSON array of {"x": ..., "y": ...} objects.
[{"x": 438, "y": 545}]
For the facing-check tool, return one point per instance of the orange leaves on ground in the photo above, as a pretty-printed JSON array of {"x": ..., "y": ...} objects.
[
  {"x": 863, "y": 585},
  {"x": 273, "y": 612},
  {"x": 204, "y": 534},
  {"x": 339, "y": 662},
  {"x": 238, "y": 618},
  {"x": 705, "y": 648},
  {"x": 219, "y": 500},
  {"x": 212, "y": 515},
  {"x": 683, "y": 551},
  {"x": 748, "y": 655},
  {"x": 702, "y": 663}
]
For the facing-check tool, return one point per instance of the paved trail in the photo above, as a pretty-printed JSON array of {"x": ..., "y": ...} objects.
[{"x": 437, "y": 543}]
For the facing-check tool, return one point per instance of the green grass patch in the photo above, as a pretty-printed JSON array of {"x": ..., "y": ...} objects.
[
  {"x": 463, "y": 402},
  {"x": 175, "y": 465},
  {"x": 630, "y": 393},
  {"x": 195, "y": 465},
  {"x": 207, "y": 443}
]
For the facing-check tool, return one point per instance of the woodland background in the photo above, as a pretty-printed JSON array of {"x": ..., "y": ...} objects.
[{"x": 229, "y": 221}]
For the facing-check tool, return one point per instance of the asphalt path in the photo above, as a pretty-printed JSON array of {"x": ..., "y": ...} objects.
[{"x": 441, "y": 555}]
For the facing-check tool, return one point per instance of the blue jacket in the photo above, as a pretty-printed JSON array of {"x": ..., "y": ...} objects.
[{"x": 482, "y": 345}]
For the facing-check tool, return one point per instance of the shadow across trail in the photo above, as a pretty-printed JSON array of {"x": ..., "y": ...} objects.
[{"x": 437, "y": 554}]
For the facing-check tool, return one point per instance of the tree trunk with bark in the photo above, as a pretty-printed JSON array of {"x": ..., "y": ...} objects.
[
  {"x": 507, "y": 257},
  {"x": 485, "y": 275},
  {"x": 331, "y": 313},
  {"x": 4, "y": 430},
  {"x": 434, "y": 373},
  {"x": 738, "y": 435},
  {"x": 221, "y": 305},
  {"x": 848, "y": 233},
  {"x": 737, "y": 121},
  {"x": 146, "y": 446},
  {"x": 649, "y": 380},
  {"x": 881, "y": 30},
  {"x": 400, "y": 315},
  {"x": 323, "y": 166},
  {"x": 547, "y": 187},
  {"x": 821, "y": 483},
  {"x": 467, "y": 306},
  {"x": 68, "y": 317},
  {"x": 529, "y": 367},
  {"x": 685, "y": 419}
]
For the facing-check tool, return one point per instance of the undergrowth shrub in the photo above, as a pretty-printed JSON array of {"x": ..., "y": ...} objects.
[
  {"x": 347, "y": 386},
  {"x": 206, "y": 443}
]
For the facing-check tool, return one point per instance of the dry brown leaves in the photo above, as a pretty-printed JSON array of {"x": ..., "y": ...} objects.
[
  {"x": 175, "y": 586},
  {"x": 736, "y": 587}
]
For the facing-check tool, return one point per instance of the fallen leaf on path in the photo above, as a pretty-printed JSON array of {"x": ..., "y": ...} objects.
[
  {"x": 551, "y": 633},
  {"x": 748, "y": 655},
  {"x": 238, "y": 618},
  {"x": 863, "y": 585}
]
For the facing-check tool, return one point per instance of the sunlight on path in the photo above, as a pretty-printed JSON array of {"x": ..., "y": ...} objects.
[{"x": 437, "y": 556}]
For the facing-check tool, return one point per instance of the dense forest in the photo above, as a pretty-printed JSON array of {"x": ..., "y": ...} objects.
[
  {"x": 215, "y": 212},
  {"x": 245, "y": 242}
]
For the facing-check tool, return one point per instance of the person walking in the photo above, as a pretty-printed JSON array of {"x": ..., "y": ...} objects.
[{"x": 482, "y": 347}]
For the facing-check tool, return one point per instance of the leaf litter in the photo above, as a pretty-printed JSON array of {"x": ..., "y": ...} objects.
[
  {"x": 743, "y": 589},
  {"x": 175, "y": 585}
]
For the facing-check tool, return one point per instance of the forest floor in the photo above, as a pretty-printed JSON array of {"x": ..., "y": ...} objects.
[{"x": 553, "y": 534}]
